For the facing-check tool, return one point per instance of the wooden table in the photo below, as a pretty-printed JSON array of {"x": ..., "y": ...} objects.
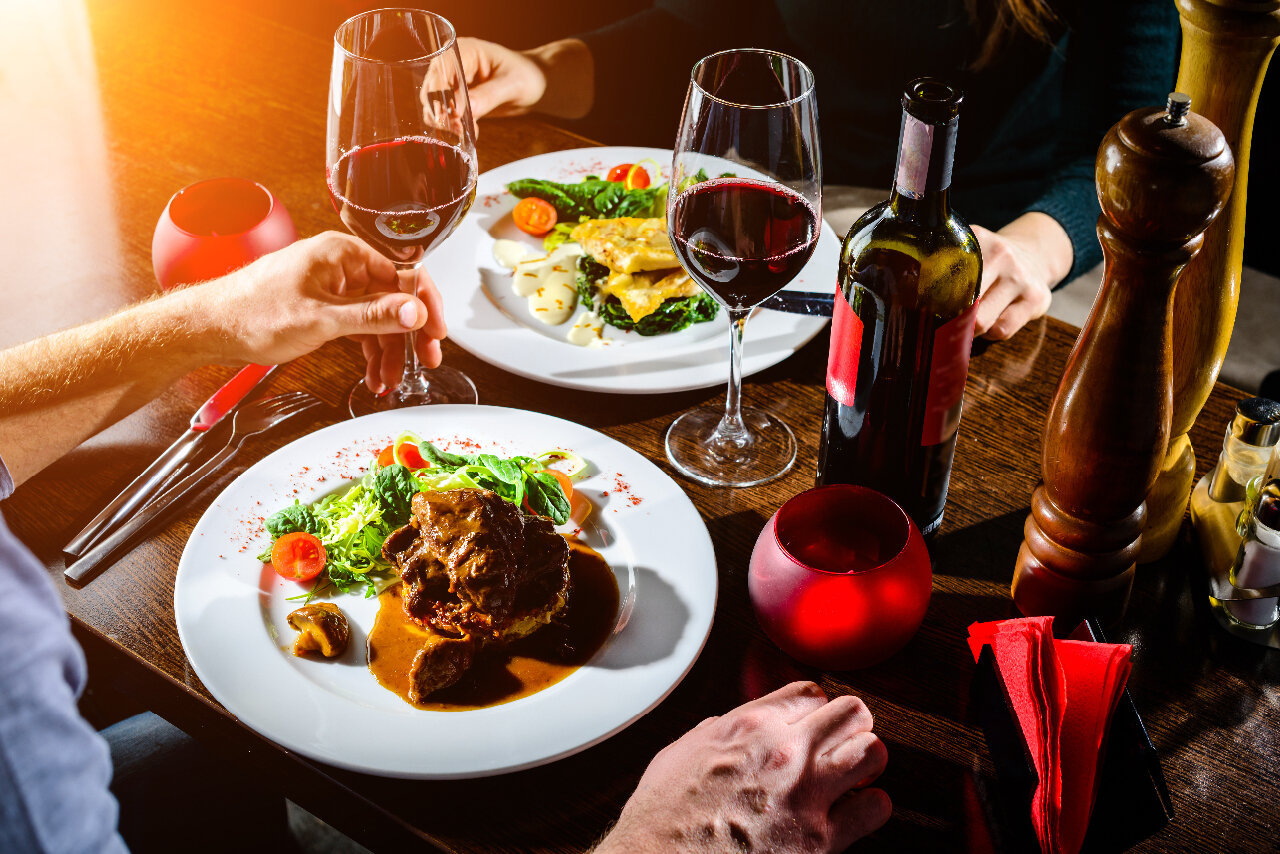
[{"x": 120, "y": 107}]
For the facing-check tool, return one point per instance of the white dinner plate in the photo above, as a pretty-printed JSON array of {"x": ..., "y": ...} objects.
[
  {"x": 489, "y": 320},
  {"x": 231, "y": 610}
]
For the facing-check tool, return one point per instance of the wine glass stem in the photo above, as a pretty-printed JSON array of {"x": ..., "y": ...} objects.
[
  {"x": 413, "y": 382},
  {"x": 731, "y": 433}
]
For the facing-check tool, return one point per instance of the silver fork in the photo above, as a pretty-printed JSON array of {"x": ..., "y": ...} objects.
[{"x": 249, "y": 420}]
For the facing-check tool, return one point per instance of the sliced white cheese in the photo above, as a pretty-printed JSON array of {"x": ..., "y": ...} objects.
[
  {"x": 548, "y": 284},
  {"x": 508, "y": 253},
  {"x": 588, "y": 331}
]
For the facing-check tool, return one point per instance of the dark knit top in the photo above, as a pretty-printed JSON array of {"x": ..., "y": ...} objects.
[{"x": 1029, "y": 127}]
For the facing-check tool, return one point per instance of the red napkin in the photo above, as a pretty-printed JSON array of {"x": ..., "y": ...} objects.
[{"x": 1063, "y": 693}]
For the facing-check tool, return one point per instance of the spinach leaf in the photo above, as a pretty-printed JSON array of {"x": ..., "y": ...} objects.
[
  {"x": 546, "y": 498},
  {"x": 672, "y": 315},
  {"x": 437, "y": 457},
  {"x": 566, "y": 205},
  {"x": 643, "y": 203},
  {"x": 296, "y": 517},
  {"x": 593, "y": 198},
  {"x": 395, "y": 487}
]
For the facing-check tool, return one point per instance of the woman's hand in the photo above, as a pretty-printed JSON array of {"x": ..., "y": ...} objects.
[
  {"x": 1021, "y": 263},
  {"x": 555, "y": 78}
]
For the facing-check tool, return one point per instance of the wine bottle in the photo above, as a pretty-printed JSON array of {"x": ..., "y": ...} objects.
[{"x": 910, "y": 270}]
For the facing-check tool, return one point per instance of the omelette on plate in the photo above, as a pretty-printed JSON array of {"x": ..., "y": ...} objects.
[{"x": 630, "y": 273}]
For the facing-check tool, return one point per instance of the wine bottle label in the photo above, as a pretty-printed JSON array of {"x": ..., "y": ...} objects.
[
  {"x": 846, "y": 350},
  {"x": 948, "y": 370}
]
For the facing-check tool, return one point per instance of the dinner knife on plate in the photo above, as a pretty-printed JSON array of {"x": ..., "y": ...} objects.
[
  {"x": 814, "y": 303},
  {"x": 178, "y": 455}
]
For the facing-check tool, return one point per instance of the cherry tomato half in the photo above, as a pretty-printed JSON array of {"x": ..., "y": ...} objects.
[
  {"x": 619, "y": 172},
  {"x": 410, "y": 457},
  {"x": 637, "y": 178},
  {"x": 534, "y": 216},
  {"x": 298, "y": 556},
  {"x": 407, "y": 455}
]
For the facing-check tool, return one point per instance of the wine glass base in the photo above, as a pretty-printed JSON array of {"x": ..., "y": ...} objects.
[
  {"x": 446, "y": 385},
  {"x": 769, "y": 453}
]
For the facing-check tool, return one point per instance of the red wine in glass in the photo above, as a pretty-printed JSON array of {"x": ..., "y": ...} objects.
[
  {"x": 743, "y": 240},
  {"x": 404, "y": 195},
  {"x": 751, "y": 117}
]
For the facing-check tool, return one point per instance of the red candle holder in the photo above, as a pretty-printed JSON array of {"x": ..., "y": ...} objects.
[
  {"x": 840, "y": 577},
  {"x": 213, "y": 227}
]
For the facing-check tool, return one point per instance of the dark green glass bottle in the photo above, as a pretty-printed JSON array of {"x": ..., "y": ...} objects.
[{"x": 910, "y": 271}]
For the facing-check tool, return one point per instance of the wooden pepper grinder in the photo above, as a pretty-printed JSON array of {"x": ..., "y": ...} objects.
[
  {"x": 1226, "y": 45},
  {"x": 1162, "y": 175}
]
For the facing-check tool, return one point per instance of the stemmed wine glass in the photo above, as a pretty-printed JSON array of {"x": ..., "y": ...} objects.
[
  {"x": 744, "y": 216},
  {"x": 401, "y": 161}
]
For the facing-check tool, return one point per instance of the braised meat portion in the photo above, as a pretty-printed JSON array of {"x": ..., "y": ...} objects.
[{"x": 471, "y": 564}]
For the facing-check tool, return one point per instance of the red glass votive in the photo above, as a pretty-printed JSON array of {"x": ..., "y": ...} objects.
[
  {"x": 840, "y": 577},
  {"x": 213, "y": 227}
]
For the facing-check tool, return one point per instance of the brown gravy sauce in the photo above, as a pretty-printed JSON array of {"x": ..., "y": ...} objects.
[{"x": 503, "y": 674}]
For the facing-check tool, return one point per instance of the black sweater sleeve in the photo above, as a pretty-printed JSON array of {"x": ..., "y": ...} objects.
[
  {"x": 642, "y": 64},
  {"x": 1118, "y": 59}
]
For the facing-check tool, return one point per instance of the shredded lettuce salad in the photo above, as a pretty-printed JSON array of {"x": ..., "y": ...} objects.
[{"x": 352, "y": 525}]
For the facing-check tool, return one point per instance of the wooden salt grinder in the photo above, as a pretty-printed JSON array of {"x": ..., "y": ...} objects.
[
  {"x": 1226, "y": 45},
  {"x": 1162, "y": 175}
]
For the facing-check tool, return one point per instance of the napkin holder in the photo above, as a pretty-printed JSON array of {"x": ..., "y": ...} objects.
[{"x": 1133, "y": 800}]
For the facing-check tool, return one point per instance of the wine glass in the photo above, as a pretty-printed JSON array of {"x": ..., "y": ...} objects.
[
  {"x": 744, "y": 215},
  {"x": 212, "y": 227},
  {"x": 840, "y": 577},
  {"x": 401, "y": 161}
]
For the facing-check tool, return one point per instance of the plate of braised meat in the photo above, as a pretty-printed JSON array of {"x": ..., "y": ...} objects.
[{"x": 498, "y": 590}]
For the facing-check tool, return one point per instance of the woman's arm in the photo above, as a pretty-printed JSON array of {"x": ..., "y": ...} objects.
[{"x": 1118, "y": 59}]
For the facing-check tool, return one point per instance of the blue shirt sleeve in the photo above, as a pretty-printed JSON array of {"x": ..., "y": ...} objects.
[{"x": 54, "y": 769}]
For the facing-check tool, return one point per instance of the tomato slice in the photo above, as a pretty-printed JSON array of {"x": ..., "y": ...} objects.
[
  {"x": 387, "y": 456},
  {"x": 619, "y": 172},
  {"x": 410, "y": 457},
  {"x": 298, "y": 556},
  {"x": 534, "y": 216},
  {"x": 637, "y": 178}
]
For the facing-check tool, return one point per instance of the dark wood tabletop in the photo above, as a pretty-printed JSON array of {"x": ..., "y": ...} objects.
[{"x": 110, "y": 110}]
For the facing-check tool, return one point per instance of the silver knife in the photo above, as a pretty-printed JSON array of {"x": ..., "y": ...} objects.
[
  {"x": 82, "y": 570},
  {"x": 801, "y": 302},
  {"x": 148, "y": 484}
]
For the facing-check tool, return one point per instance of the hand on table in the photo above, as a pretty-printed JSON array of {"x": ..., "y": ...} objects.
[
  {"x": 291, "y": 302},
  {"x": 781, "y": 774},
  {"x": 1021, "y": 263},
  {"x": 555, "y": 78}
]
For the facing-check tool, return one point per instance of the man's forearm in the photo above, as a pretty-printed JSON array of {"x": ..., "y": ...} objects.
[{"x": 59, "y": 390}]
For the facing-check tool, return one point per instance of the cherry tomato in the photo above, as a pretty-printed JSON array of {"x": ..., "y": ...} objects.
[
  {"x": 637, "y": 178},
  {"x": 298, "y": 556},
  {"x": 619, "y": 172},
  {"x": 387, "y": 456},
  {"x": 410, "y": 457},
  {"x": 534, "y": 216}
]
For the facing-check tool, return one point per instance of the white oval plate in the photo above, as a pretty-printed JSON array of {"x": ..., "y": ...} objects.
[
  {"x": 489, "y": 320},
  {"x": 231, "y": 610}
]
